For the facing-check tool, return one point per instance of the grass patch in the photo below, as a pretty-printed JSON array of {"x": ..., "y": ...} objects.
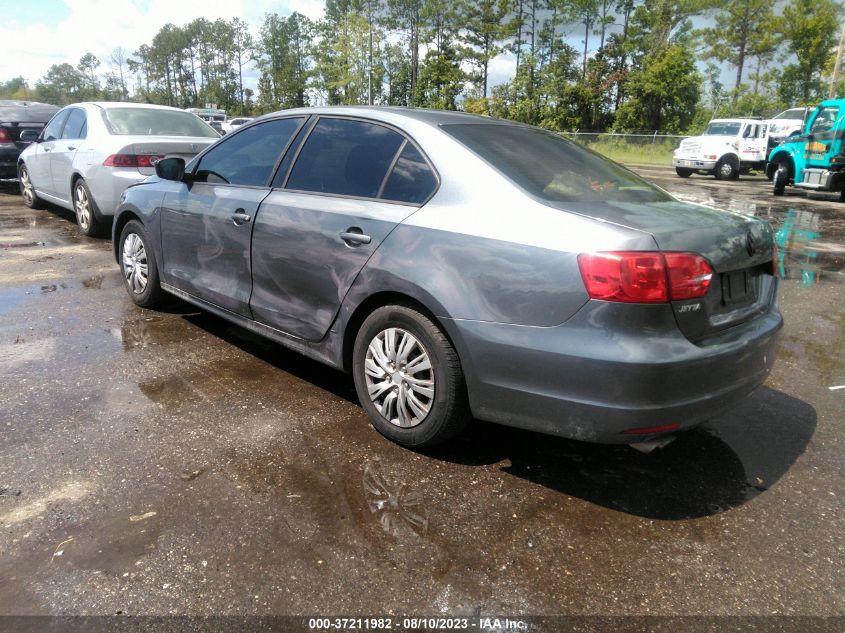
[{"x": 626, "y": 152}]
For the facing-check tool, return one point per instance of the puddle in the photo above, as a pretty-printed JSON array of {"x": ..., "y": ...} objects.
[
  {"x": 397, "y": 507},
  {"x": 11, "y": 298}
]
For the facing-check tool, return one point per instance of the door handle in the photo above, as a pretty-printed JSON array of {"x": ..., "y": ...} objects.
[
  {"x": 239, "y": 217},
  {"x": 354, "y": 236},
  {"x": 46, "y": 149},
  {"x": 71, "y": 147}
]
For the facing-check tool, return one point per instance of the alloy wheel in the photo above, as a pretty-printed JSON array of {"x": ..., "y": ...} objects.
[
  {"x": 399, "y": 377},
  {"x": 83, "y": 207},
  {"x": 134, "y": 260},
  {"x": 27, "y": 190}
]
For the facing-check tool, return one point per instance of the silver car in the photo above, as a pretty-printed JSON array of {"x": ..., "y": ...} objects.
[
  {"x": 90, "y": 152},
  {"x": 462, "y": 266}
]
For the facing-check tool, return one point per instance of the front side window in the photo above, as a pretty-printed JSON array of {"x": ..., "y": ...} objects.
[
  {"x": 345, "y": 157},
  {"x": 248, "y": 157},
  {"x": 75, "y": 128},
  {"x": 155, "y": 122},
  {"x": 551, "y": 167},
  {"x": 54, "y": 127},
  {"x": 824, "y": 120}
]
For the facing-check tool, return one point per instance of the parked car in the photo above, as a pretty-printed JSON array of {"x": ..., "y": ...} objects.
[
  {"x": 461, "y": 265},
  {"x": 16, "y": 118},
  {"x": 90, "y": 152},
  {"x": 233, "y": 124},
  {"x": 727, "y": 148},
  {"x": 786, "y": 124}
]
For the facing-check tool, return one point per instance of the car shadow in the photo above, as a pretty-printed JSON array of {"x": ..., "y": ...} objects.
[{"x": 720, "y": 465}]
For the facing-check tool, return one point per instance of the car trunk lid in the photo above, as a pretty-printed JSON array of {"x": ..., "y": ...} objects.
[
  {"x": 739, "y": 248},
  {"x": 169, "y": 146},
  {"x": 17, "y": 116}
]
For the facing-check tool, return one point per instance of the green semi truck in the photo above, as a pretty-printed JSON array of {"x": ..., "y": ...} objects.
[{"x": 815, "y": 160}]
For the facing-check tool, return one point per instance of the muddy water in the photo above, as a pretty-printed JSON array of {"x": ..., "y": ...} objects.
[{"x": 169, "y": 462}]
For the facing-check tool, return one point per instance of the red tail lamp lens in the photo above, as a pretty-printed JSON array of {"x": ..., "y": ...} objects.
[{"x": 644, "y": 277}]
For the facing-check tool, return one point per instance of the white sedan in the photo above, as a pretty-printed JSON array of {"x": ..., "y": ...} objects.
[{"x": 89, "y": 153}]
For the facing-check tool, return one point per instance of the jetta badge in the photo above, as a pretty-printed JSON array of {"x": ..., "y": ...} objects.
[{"x": 750, "y": 246}]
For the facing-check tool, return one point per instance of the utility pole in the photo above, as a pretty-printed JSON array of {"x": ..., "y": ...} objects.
[
  {"x": 370, "y": 60},
  {"x": 837, "y": 64}
]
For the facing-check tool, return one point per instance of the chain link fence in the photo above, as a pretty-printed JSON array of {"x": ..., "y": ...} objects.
[{"x": 632, "y": 149}]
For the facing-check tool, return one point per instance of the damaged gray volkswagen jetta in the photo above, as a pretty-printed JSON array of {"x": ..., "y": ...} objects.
[{"x": 461, "y": 266}]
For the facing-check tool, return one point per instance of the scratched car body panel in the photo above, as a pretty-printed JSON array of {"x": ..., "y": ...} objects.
[{"x": 501, "y": 238}]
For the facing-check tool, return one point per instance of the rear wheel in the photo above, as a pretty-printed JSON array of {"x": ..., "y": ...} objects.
[
  {"x": 138, "y": 264},
  {"x": 30, "y": 198},
  {"x": 408, "y": 378},
  {"x": 726, "y": 169},
  {"x": 86, "y": 210},
  {"x": 683, "y": 173}
]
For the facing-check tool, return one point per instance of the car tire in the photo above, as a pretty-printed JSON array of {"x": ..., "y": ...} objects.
[
  {"x": 87, "y": 213},
  {"x": 683, "y": 173},
  {"x": 138, "y": 265},
  {"x": 780, "y": 179},
  {"x": 416, "y": 408},
  {"x": 726, "y": 170},
  {"x": 30, "y": 198}
]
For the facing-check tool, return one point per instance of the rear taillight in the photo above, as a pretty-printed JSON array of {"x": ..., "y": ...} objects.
[
  {"x": 4, "y": 136},
  {"x": 131, "y": 160},
  {"x": 689, "y": 275},
  {"x": 644, "y": 277}
]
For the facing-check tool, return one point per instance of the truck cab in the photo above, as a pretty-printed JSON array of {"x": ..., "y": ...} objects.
[
  {"x": 727, "y": 148},
  {"x": 815, "y": 160}
]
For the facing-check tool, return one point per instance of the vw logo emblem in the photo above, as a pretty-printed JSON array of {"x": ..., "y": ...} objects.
[{"x": 750, "y": 246}]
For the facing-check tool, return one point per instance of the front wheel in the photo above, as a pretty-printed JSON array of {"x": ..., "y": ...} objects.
[
  {"x": 408, "y": 378},
  {"x": 86, "y": 210},
  {"x": 726, "y": 170},
  {"x": 138, "y": 264},
  {"x": 683, "y": 173},
  {"x": 780, "y": 179}
]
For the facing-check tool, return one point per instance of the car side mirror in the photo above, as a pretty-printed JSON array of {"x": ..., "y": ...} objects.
[
  {"x": 171, "y": 168},
  {"x": 29, "y": 136}
]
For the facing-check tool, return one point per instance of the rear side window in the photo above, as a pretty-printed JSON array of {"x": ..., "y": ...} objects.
[
  {"x": 76, "y": 127},
  {"x": 411, "y": 180},
  {"x": 155, "y": 122},
  {"x": 248, "y": 157},
  {"x": 345, "y": 157},
  {"x": 54, "y": 127}
]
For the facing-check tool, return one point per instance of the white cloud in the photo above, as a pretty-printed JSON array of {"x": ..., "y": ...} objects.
[{"x": 100, "y": 26}]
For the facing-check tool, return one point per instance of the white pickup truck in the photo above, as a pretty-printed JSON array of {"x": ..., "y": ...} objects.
[{"x": 727, "y": 148}]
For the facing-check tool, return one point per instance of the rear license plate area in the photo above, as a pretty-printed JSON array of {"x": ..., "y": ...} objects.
[{"x": 738, "y": 288}]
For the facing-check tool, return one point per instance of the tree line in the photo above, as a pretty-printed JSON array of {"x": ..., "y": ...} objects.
[{"x": 634, "y": 69}]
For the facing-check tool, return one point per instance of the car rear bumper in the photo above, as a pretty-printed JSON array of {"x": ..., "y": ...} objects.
[
  {"x": 9, "y": 154},
  {"x": 108, "y": 184},
  {"x": 694, "y": 163},
  {"x": 610, "y": 369}
]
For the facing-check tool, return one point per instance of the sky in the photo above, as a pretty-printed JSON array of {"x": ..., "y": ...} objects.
[{"x": 35, "y": 34}]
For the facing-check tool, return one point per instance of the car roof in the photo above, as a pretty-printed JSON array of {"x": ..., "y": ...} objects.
[
  {"x": 391, "y": 114},
  {"x": 127, "y": 104},
  {"x": 736, "y": 120}
]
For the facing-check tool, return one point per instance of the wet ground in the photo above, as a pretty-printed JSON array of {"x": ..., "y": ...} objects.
[{"x": 164, "y": 462}]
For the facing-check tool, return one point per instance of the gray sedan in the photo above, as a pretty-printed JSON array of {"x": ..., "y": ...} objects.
[
  {"x": 90, "y": 152},
  {"x": 461, "y": 266}
]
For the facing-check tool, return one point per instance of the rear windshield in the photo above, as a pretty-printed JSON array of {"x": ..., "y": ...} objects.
[
  {"x": 551, "y": 167},
  {"x": 155, "y": 122},
  {"x": 722, "y": 129}
]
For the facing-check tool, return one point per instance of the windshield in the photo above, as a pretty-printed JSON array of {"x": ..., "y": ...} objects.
[
  {"x": 551, "y": 167},
  {"x": 155, "y": 122},
  {"x": 722, "y": 128},
  {"x": 796, "y": 113}
]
